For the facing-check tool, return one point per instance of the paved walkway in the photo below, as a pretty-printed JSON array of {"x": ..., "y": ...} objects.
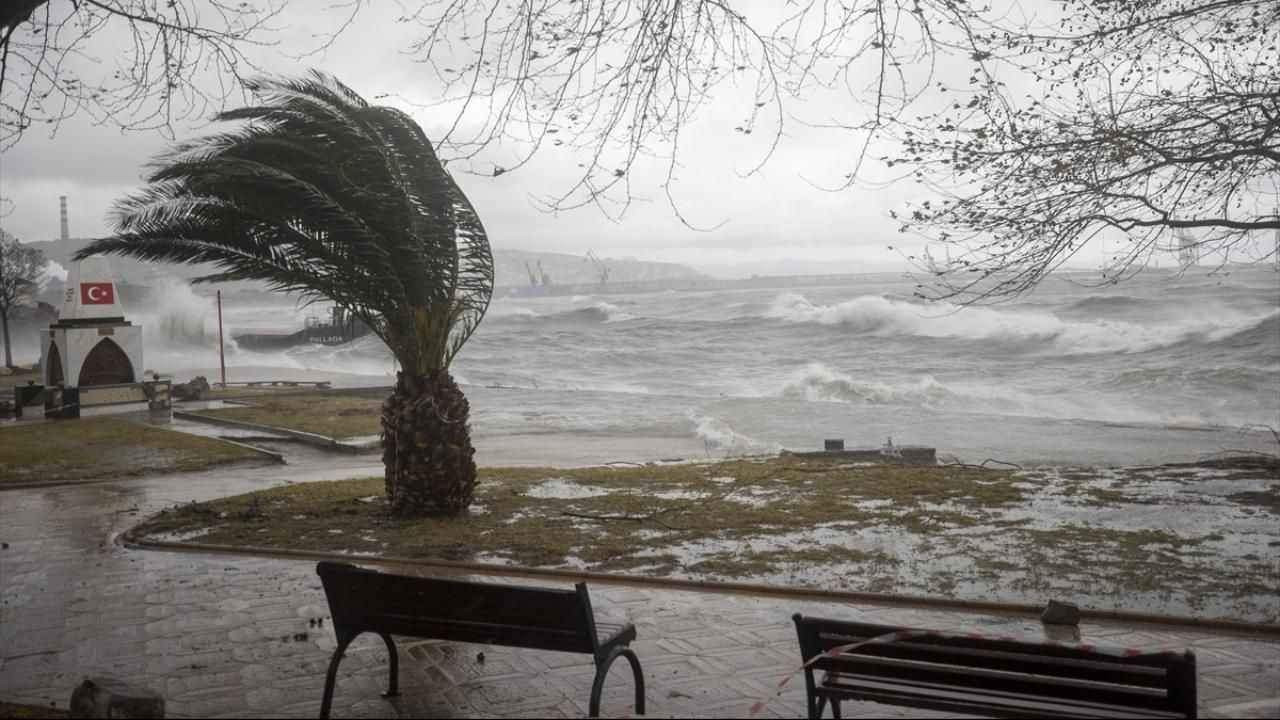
[{"x": 238, "y": 637}]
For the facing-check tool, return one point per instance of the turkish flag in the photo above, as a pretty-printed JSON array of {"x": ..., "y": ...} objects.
[{"x": 102, "y": 293}]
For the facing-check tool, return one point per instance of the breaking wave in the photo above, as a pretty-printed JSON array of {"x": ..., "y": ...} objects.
[
  {"x": 175, "y": 315},
  {"x": 1265, "y": 334},
  {"x": 879, "y": 315},
  {"x": 1109, "y": 305},
  {"x": 817, "y": 382},
  {"x": 597, "y": 312},
  {"x": 1188, "y": 380},
  {"x": 1121, "y": 399},
  {"x": 718, "y": 435}
]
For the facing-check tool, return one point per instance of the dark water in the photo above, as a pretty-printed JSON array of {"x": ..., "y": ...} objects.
[{"x": 1162, "y": 367}]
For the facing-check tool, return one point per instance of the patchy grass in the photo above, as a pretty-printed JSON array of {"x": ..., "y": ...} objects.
[
  {"x": 335, "y": 415},
  {"x": 93, "y": 448},
  {"x": 917, "y": 530},
  {"x": 607, "y": 518},
  {"x": 15, "y": 710}
]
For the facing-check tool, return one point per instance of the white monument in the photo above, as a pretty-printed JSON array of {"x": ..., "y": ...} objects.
[{"x": 91, "y": 343}]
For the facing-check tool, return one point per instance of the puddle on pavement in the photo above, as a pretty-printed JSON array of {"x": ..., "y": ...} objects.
[
  {"x": 565, "y": 489},
  {"x": 181, "y": 536},
  {"x": 1183, "y": 542}
]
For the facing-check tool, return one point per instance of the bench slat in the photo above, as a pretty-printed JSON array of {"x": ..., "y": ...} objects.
[
  {"x": 1041, "y": 678},
  {"x": 480, "y": 633},
  {"x": 993, "y": 675},
  {"x": 494, "y": 633},
  {"x": 1095, "y": 670},
  {"x": 913, "y": 666},
  {"x": 932, "y": 685},
  {"x": 840, "y": 633},
  {"x": 363, "y": 601},
  {"x": 400, "y": 605},
  {"x": 970, "y": 704},
  {"x": 1000, "y": 681}
]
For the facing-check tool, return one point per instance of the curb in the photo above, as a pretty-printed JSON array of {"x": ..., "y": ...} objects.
[
  {"x": 35, "y": 485},
  {"x": 316, "y": 440},
  {"x": 385, "y": 389},
  {"x": 275, "y": 456},
  {"x": 129, "y": 540}
]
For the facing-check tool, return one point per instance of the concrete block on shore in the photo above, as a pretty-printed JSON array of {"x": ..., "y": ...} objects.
[
  {"x": 901, "y": 455},
  {"x": 1060, "y": 613}
]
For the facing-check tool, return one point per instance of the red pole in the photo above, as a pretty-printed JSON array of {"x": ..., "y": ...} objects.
[{"x": 222, "y": 359}]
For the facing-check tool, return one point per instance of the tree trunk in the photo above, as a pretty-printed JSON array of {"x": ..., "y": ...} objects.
[
  {"x": 426, "y": 446},
  {"x": 8, "y": 346}
]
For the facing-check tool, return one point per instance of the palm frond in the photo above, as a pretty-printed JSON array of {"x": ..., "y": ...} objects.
[{"x": 322, "y": 194}]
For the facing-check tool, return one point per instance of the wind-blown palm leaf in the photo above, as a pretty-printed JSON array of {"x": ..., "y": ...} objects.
[{"x": 320, "y": 193}]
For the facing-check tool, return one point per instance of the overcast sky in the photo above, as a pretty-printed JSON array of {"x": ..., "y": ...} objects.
[{"x": 774, "y": 221}]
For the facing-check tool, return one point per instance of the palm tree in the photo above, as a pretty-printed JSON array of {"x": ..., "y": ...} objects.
[{"x": 318, "y": 192}]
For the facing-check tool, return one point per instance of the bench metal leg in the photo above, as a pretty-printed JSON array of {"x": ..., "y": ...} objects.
[
  {"x": 810, "y": 695},
  {"x": 815, "y": 711},
  {"x": 394, "y": 688},
  {"x": 816, "y": 708},
  {"x": 638, "y": 674},
  {"x": 330, "y": 678},
  {"x": 602, "y": 670}
]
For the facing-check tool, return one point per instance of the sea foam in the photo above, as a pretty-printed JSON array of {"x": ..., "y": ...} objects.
[{"x": 879, "y": 315}]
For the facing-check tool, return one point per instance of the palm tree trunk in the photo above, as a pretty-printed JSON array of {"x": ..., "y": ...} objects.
[{"x": 426, "y": 446}]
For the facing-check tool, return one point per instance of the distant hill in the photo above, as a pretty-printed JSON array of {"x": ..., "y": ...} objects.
[{"x": 510, "y": 266}]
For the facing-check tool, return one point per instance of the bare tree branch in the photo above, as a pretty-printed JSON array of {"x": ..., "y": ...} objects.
[
  {"x": 135, "y": 64},
  {"x": 615, "y": 84},
  {"x": 1150, "y": 120},
  {"x": 1141, "y": 119}
]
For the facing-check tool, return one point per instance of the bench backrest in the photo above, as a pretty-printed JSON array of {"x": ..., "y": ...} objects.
[
  {"x": 1004, "y": 667},
  {"x": 363, "y": 600}
]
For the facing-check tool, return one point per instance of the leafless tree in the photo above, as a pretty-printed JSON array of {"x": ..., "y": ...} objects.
[
  {"x": 1036, "y": 134},
  {"x": 137, "y": 64},
  {"x": 1146, "y": 123},
  {"x": 618, "y": 81},
  {"x": 21, "y": 268}
]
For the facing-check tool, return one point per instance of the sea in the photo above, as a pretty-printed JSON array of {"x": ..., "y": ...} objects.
[{"x": 1164, "y": 367}]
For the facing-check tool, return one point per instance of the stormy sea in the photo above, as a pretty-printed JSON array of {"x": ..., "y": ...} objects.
[{"x": 1165, "y": 367}]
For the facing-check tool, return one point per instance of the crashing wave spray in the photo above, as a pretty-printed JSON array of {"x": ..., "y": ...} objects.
[{"x": 879, "y": 315}]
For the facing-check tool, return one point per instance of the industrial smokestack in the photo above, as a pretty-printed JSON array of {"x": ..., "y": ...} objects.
[{"x": 66, "y": 231}]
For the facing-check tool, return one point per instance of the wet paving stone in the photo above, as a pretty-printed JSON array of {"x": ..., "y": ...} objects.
[{"x": 223, "y": 636}]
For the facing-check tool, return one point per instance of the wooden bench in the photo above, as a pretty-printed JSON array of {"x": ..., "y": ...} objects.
[
  {"x": 362, "y": 600},
  {"x": 989, "y": 676}
]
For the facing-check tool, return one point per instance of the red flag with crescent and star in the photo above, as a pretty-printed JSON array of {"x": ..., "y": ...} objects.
[{"x": 100, "y": 293}]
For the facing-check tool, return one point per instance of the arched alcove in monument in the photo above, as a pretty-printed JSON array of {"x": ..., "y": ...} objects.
[
  {"x": 106, "y": 364},
  {"x": 54, "y": 360}
]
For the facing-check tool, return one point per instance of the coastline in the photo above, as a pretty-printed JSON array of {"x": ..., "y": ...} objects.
[{"x": 578, "y": 426}]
